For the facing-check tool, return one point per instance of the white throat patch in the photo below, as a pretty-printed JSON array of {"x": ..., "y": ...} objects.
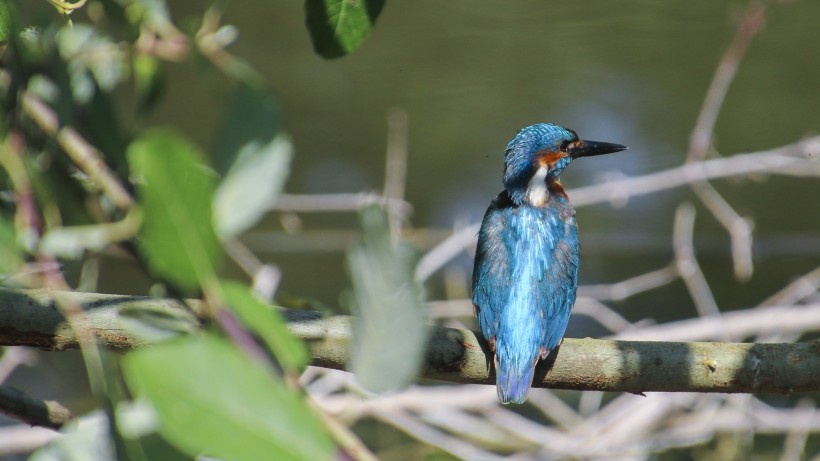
[{"x": 537, "y": 192}]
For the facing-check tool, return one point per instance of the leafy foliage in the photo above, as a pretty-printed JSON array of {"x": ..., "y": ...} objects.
[
  {"x": 175, "y": 191},
  {"x": 223, "y": 404},
  {"x": 8, "y": 20},
  {"x": 388, "y": 317},
  {"x": 339, "y": 27},
  {"x": 267, "y": 324},
  {"x": 87, "y": 178},
  {"x": 10, "y": 254}
]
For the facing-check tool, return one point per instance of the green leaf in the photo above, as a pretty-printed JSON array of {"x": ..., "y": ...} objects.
[
  {"x": 252, "y": 184},
  {"x": 388, "y": 315},
  {"x": 8, "y": 20},
  {"x": 213, "y": 400},
  {"x": 175, "y": 191},
  {"x": 338, "y": 27},
  {"x": 11, "y": 256},
  {"x": 148, "y": 80},
  {"x": 253, "y": 118},
  {"x": 267, "y": 324},
  {"x": 253, "y": 157}
]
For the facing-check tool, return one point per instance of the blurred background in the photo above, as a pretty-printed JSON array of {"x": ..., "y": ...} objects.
[
  {"x": 469, "y": 76},
  {"x": 458, "y": 79}
]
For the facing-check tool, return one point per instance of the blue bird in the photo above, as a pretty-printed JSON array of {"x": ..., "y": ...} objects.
[{"x": 526, "y": 264}]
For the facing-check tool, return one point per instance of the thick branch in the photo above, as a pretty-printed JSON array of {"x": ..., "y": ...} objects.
[
  {"x": 46, "y": 413},
  {"x": 28, "y": 318}
]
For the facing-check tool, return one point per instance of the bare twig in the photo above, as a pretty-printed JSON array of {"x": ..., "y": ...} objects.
[
  {"x": 266, "y": 277},
  {"x": 798, "y": 290},
  {"x": 325, "y": 240},
  {"x": 740, "y": 229},
  {"x": 87, "y": 158},
  {"x": 736, "y": 324},
  {"x": 446, "y": 251},
  {"x": 324, "y": 203},
  {"x": 555, "y": 409},
  {"x": 795, "y": 443},
  {"x": 395, "y": 174},
  {"x": 456, "y": 446},
  {"x": 796, "y": 159},
  {"x": 687, "y": 264},
  {"x": 602, "y": 314},
  {"x": 632, "y": 286},
  {"x": 23, "y": 439},
  {"x": 27, "y": 220},
  {"x": 749, "y": 26}
]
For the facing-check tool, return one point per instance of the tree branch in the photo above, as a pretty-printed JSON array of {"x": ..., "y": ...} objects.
[
  {"x": 28, "y": 318},
  {"x": 47, "y": 413}
]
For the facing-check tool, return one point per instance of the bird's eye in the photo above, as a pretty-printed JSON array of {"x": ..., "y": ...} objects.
[{"x": 565, "y": 145}]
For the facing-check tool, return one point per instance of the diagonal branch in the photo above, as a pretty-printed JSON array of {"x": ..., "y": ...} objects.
[
  {"x": 87, "y": 158},
  {"x": 740, "y": 229}
]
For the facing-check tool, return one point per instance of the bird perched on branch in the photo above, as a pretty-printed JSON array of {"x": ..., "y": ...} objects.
[{"x": 526, "y": 264}]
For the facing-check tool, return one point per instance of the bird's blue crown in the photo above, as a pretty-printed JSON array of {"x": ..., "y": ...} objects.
[{"x": 521, "y": 157}]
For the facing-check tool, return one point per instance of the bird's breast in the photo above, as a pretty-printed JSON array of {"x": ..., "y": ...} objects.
[{"x": 537, "y": 191}]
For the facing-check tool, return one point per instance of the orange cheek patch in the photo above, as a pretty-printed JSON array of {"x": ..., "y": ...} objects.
[
  {"x": 548, "y": 157},
  {"x": 557, "y": 188}
]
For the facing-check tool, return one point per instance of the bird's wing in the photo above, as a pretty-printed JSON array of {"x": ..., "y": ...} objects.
[
  {"x": 491, "y": 272},
  {"x": 544, "y": 275},
  {"x": 555, "y": 290}
]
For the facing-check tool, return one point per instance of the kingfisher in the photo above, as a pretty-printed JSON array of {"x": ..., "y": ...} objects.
[{"x": 526, "y": 265}]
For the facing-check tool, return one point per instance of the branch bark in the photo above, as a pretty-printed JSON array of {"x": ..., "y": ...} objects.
[
  {"x": 46, "y": 413},
  {"x": 29, "y": 318}
]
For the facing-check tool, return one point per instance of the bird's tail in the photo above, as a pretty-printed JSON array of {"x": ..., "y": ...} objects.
[{"x": 513, "y": 381}]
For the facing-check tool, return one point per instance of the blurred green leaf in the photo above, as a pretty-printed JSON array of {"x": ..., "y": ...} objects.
[
  {"x": 175, "y": 191},
  {"x": 254, "y": 159},
  {"x": 388, "y": 315},
  {"x": 267, "y": 324},
  {"x": 154, "y": 13},
  {"x": 338, "y": 27},
  {"x": 148, "y": 80},
  {"x": 8, "y": 20},
  {"x": 52, "y": 184},
  {"x": 252, "y": 184},
  {"x": 11, "y": 256},
  {"x": 251, "y": 120},
  {"x": 213, "y": 400}
]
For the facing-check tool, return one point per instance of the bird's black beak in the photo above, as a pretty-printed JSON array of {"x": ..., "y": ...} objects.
[{"x": 593, "y": 148}]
